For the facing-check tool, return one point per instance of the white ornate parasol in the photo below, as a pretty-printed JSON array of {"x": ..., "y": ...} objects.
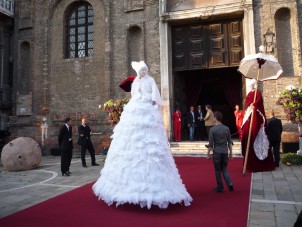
[{"x": 269, "y": 70}]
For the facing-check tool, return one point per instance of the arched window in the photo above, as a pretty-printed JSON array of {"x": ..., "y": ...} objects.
[
  {"x": 135, "y": 46},
  {"x": 79, "y": 31},
  {"x": 284, "y": 41},
  {"x": 24, "y": 70}
]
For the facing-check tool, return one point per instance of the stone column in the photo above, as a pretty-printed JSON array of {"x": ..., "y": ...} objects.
[
  {"x": 164, "y": 69},
  {"x": 248, "y": 33}
]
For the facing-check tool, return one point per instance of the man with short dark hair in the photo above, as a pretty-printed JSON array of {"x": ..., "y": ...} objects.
[
  {"x": 274, "y": 128},
  {"x": 220, "y": 141},
  {"x": 85, "y": 142},
  {"x": 191, "y": 121},
  {"x": 66, "y": 146}
]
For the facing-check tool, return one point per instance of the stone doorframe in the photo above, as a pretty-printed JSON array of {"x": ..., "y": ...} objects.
[{"x": 245, "y": 7}]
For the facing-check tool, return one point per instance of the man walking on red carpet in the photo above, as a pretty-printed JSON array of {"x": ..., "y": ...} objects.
[{"x": 220, "y": 142}]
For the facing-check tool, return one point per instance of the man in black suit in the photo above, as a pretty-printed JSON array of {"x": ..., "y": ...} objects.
[
  {"x": 85, "y": 142},
  {"x": 66, "y": 146},
  {"x": 200, "y": 129},
  {"x": 275, "y": 129},
  {"x": 191, "y": 121}
]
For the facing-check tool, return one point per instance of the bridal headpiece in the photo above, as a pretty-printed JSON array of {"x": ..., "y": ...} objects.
[{"x": 138, "y": 65}]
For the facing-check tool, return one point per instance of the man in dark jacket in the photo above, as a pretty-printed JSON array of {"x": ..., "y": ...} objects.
[
  {"x": 191, "y": 121},
  {"x": 66, "y": 146},
  {"x": 275, "y": 129},
  {"x": 200, "y": 127},
  {"x": 85, "y": 142}
]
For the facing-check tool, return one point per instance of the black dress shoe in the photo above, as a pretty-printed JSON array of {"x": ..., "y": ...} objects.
[
  {"x": 231, "y": 188},
  {"x": 218, "y": 190},
  {"x": 95, "y": 164},
  {"x": 85, "y": 166},
  {"x": 68, "y": 172},
  {"x": 207, "y": 146},
  {"x": 65, "y": 174}
]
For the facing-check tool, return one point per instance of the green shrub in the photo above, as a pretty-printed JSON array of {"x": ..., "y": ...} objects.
[
  {"x": 291, "y": 158},
  {"x": 291, "y": 100}
]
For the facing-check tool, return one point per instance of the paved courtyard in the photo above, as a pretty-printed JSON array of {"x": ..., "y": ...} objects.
[{"x": 275, "y": 200}]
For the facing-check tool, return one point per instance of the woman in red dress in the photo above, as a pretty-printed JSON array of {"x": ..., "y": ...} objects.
[
  {"x": 177, "y": 125},
  {"x": 239, "y": 119},
  {"x": 260, "y": 158}
]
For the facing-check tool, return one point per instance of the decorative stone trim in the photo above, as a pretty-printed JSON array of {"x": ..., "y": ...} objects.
[{"x": 133, "y": 5}]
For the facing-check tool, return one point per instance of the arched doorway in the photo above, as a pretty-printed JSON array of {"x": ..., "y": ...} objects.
[
  {"x": 205, "y": 59},
  {"x": 221, "y": 88}
]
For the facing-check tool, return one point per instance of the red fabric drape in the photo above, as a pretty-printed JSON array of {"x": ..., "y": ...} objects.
[
  {"x": 231, "y": 90},
  {"x": 194, "y": 87}
]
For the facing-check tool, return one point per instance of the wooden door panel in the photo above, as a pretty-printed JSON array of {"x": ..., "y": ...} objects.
[
  {"x": 197, "y": 61},
  {"x": 179, "y": 49},
  {"x": 235, "y": 42},
  {"x": 218, "y": 45},
  {"x": 217, "y": 59},
  {"x": 202, "y": 46},
  {"x": 196, "y": 47}
]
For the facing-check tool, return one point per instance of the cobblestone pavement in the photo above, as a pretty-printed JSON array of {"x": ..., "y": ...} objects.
[
  {"x": 276, "y": 197},
  {"x": 19, "y": 190},
  {"x": 275, "y": 200}
]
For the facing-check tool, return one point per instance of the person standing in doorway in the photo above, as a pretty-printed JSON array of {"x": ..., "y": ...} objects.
[
  {"x": 177, "y": 125},
  {"x": 66, "y": 146},
  {"x": 191, "y": 122},
  {"x": 239, "y": 114},
  {"x": 220, "y": 142},
  {"x": 274, "y": 128},
  {"x": 200, "y": 129},
  {"x": 85, "y": 142},
  {"x": 209, "y": 119}
]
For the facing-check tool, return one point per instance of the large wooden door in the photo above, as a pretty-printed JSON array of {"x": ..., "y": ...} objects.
[{"x": 208, "y": 45}]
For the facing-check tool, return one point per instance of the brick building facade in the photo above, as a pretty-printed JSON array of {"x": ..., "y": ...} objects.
[{"x": 53, "y": 78}]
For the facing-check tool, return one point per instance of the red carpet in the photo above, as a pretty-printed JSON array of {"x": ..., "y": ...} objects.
[{"x": 209, "y": 209}]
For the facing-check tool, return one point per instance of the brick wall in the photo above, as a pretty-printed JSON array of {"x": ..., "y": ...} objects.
[
  {"x": 264, "y": 18},
  {"x": 76, "y": 87},
  {"x": 73, "y": 87}
]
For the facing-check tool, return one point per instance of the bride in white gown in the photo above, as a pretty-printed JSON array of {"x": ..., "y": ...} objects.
[{"x": 139, "y": 167}]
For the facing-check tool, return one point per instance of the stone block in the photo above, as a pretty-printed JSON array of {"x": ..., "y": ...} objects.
[{"x": 22, "y": 153}]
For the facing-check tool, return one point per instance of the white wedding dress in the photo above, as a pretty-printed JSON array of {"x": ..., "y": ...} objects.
[{"x": 139, "y": 168}]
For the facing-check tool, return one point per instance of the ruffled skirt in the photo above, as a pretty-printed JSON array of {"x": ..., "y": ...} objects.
[{"x": 139, "y": 168}]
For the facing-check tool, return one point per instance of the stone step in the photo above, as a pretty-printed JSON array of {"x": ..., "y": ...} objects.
[
  {"x": 196, "y": 144},
  {"x": 198, "y": 148}
]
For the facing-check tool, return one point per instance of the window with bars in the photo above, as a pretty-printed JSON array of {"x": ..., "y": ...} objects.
[{"x": 79, "y": 31}]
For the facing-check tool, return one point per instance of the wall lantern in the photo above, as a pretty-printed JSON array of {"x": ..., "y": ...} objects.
[{"x": 269, "y": 41}]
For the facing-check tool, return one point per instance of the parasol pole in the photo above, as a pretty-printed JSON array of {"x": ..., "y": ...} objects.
[{"x": 260, "y": 62}]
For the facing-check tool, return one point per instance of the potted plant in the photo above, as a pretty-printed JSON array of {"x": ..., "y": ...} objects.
[
  {"x": 114, "y": 108},
  {"x": 291, "y": 101}
]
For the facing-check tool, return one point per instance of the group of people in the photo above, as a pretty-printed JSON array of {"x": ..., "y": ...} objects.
[
  {"x": 140, "y": 169},
  {"x": 263, "y": 151},
  {"x": 199, "y": 123},
  {"x": 66, "y": 144}
]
